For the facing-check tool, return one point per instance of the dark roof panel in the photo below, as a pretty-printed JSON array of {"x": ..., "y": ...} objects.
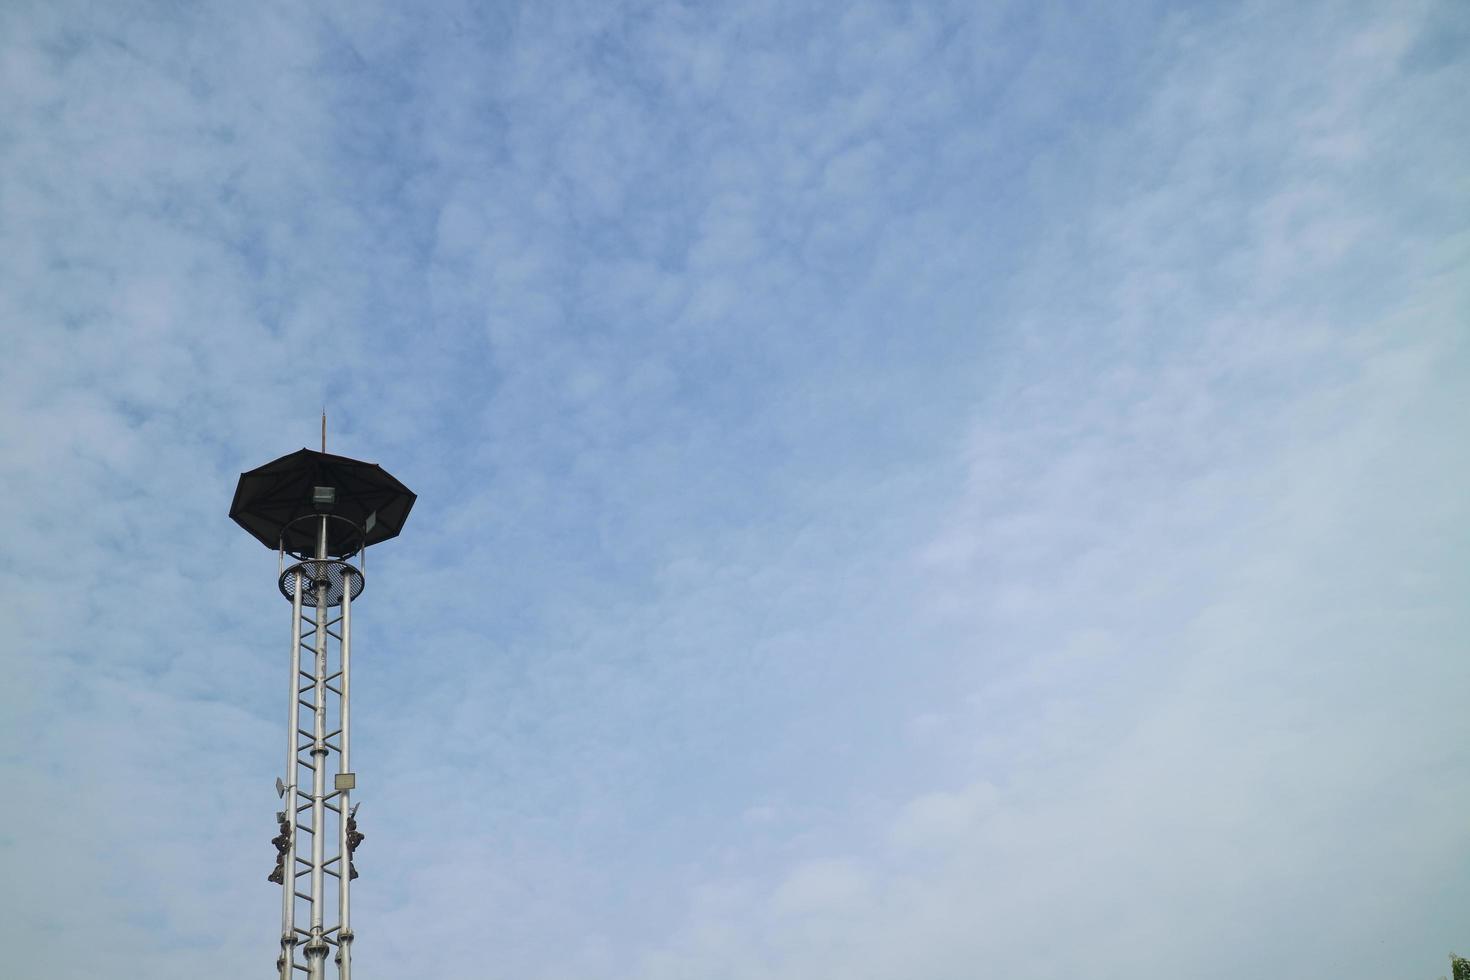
[{"x": 270, "y": 497}]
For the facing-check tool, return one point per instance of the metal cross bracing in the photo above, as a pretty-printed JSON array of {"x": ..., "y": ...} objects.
[{"x": 318, "y": 831}]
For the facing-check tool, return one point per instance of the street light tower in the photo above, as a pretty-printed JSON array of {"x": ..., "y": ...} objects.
[{"x": 320, "y": 511}]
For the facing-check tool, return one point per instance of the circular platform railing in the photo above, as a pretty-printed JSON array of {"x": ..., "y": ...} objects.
[{"x": 337, "y": 576}]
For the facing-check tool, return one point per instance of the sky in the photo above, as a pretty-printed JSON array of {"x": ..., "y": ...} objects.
[{"x": 933, "y": 491}]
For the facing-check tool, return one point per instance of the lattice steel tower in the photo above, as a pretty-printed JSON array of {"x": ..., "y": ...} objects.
[{"x": 318, "y": 512}]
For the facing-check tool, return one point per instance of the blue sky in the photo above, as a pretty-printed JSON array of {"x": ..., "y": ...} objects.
[{"x": 906, "y": 491}]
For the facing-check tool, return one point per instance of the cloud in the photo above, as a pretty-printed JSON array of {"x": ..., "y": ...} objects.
[
  {"x": 925, "y": 492},
  {"x": 940, "y": 817}
]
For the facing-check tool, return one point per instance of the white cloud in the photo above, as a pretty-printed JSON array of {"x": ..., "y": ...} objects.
[
  {"x": 826, "y": 887},
  {"x": 923, "y": 494},
  {"x": 942, "y": 818}
]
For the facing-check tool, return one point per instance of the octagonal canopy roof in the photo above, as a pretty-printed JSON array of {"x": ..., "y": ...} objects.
[{"x": 270, "y": 497}]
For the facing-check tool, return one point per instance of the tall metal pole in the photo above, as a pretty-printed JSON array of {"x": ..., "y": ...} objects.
[
  {"x": 316, "y": 946},
  {"x": 324, "y": 691},
  {"x": 288, "y": 824},
  {"x": 344, "y": 794}
]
